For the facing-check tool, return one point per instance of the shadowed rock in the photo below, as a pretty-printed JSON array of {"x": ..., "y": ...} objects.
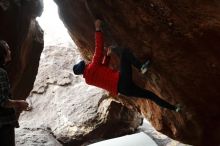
[
  {"x": 181, "y": 38},
  {"x": 25, "y": 37}
]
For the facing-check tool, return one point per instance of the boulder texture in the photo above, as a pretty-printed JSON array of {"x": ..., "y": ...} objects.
[
  {"x": 37, "y": 137},
  {"x": 65, "y": 108},
  {"x": 182, "y": 40},
  {"x": 25, "y": 37}
]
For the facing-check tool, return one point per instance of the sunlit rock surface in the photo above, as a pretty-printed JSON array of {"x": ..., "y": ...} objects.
[
  {"x": 25, "y": 37},
  {"x": 66, "y": 107},
  {"x": 35, "y": 137},
  {"x": 181, "y": 38}
]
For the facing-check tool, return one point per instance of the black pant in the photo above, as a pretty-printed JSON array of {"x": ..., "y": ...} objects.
[
  {"x": 7, "y": 135},
  {"x": 127, "y": 87}
]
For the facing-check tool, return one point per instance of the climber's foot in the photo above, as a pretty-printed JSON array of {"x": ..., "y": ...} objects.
[
  {"x": 145, "y": 67},
  {"x": 178, "y": 108}
]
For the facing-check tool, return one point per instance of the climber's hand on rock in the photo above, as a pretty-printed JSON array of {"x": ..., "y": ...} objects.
[
  {"x": 109, "y": 51},
  {"x": 98, "y": 24}
]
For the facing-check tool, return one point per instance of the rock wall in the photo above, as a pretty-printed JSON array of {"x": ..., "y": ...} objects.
[
  {"x": 181, "y": 38},
  {"x": 25, "y": 37},
  {"x": 62, "y": 109},
  {"x": 67, "y": 109}
]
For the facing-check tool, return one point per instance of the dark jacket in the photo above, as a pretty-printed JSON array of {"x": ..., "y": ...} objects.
[{"x": 7, "y": 115}]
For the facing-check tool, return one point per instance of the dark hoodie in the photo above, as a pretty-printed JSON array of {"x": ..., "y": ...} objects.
[{"x": 7, "y": 115}]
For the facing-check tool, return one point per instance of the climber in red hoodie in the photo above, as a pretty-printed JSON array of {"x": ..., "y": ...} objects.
[{"x": 98, "y": 73}]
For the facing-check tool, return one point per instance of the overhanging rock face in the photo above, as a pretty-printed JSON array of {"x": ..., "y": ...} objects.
[
  {"x": 72, "y": 115},
  {"x": 181, "y": 38}
]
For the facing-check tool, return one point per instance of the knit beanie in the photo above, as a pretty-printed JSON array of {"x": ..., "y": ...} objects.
[{"x": 78, "y": 68}]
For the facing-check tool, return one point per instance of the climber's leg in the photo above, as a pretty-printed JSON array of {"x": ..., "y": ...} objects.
[
  {"x": 125, "y": 69},
  {"x": 135, "y": 91}
]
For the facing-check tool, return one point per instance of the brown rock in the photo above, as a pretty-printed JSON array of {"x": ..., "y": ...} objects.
[
  {"x": 71, "y": 110},
  {"x": 25, "y": 37},
  {"x": 181, "y": 38}
]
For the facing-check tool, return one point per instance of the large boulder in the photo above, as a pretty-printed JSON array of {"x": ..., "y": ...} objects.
[
  {"x": 65, "y": 107},
  {"x": 181, "y": 38},
  {"x": 36, "y": 137}
]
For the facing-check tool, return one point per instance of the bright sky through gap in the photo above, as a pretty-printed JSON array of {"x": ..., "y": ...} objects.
[{"x": 55, "y": 32}]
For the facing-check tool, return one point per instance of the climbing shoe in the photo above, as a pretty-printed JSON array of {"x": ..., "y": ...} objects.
[
  {"x": 144, "y": 67},
  {"x": 178, "y": 108}
]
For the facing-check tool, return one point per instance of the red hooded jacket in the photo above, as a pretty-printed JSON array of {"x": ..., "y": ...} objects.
[{"x": 97, "y": 72}]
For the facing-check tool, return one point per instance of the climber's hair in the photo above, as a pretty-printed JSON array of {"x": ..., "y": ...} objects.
[{"x": 3, "y": 52}]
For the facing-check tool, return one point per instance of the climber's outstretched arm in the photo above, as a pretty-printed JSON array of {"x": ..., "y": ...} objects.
[{"x": 99, "y": 44}]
